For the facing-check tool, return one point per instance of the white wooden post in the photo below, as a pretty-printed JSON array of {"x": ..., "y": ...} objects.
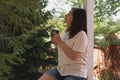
[{"x": 88, "y": 6}]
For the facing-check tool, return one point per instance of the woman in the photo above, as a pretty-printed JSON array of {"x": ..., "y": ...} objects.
[{"x": 72, "y": 55}]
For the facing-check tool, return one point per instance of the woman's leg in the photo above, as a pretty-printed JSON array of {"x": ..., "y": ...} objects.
[
  {"x": 51, "y": 74},
  {"x": 46, "y": 77},
  {"x": 74, "y": 78}
]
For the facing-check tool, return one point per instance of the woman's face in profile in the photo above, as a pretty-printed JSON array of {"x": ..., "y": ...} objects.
[{"x": 69, "y": 17}]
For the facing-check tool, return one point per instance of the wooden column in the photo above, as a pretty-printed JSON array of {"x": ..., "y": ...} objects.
[{"x": 88, "y": 6}]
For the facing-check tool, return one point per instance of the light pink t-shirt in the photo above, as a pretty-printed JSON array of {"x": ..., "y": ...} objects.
[{"x": 67, "y": 66}]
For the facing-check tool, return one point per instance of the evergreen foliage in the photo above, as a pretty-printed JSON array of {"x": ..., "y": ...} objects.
[{"x": 24, "y": 39}]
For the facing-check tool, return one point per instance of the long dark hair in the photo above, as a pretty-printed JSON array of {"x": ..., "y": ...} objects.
[{"x": 78, "y": 23}]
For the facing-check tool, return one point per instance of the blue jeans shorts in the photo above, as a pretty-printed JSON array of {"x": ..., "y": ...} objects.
[{"x": 56, "y": 75}]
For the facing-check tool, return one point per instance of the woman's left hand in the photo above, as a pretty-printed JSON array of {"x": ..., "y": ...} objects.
[{"x": 56, "y": 38}]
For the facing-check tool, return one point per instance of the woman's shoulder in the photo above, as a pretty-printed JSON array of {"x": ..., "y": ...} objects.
[
  {"x": 81, "y": 36},
  {"x": 81, "y": 33}
]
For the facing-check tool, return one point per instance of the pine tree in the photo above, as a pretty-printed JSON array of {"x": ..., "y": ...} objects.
[{"x": 24, "y": 43}]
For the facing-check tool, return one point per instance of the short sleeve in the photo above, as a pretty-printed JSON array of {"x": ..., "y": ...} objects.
[{"x": 80, "y": 42}]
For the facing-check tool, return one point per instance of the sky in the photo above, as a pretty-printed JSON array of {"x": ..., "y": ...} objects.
[
  {"x": 60, "y": 5},
  {"x": 116, "y": 17}
]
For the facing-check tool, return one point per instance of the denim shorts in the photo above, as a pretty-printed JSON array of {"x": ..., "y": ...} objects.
[{"x": 56, "y": 75}]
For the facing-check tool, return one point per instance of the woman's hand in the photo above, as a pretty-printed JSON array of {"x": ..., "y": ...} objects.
[{"x": 56, "y": 38}]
